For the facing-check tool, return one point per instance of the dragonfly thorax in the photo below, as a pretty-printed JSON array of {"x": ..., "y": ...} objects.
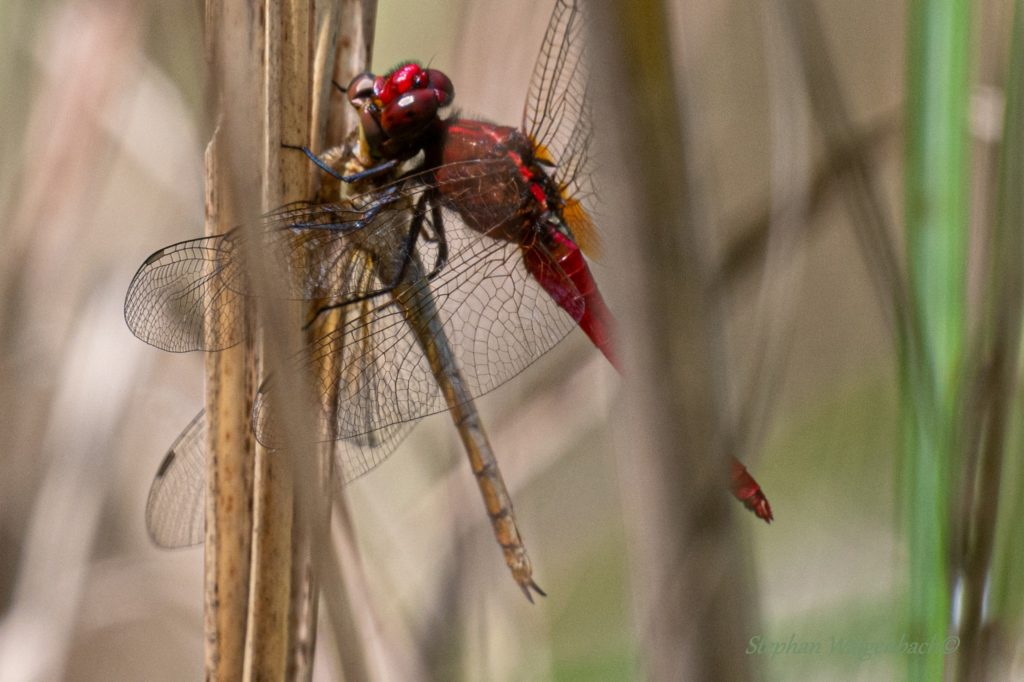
[{"x": 489, "y": 175}]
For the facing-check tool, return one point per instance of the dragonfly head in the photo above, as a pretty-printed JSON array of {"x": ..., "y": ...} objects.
[{"x": 397, "y": 109}]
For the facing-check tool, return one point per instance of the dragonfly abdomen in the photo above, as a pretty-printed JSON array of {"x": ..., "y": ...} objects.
[{"x": 557, "y": 263}]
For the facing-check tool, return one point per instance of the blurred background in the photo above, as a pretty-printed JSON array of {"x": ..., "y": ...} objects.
[{"x": 101, "y": 164}]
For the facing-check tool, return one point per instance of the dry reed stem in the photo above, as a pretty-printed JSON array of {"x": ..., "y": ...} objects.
[
  {"x": 270, "y": 67},
  {"x": 285, "y": 178},
  {"x": 248, "y": 552},
  {"x": 690, "y": 601},
  {"x": 229, "y": 386}
]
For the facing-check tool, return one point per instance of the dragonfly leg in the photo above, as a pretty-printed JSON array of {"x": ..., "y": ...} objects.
[
  {"x": 405, "y": 257},
  {"x": 442, "y": 243},
  {"x": 383, "y": 167},
  {"x": 409, "y": 247}
]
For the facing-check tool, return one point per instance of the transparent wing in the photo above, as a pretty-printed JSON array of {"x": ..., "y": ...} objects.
[
  {"x": 177, "y": 499},
  {"x": 184, "y": 297},
  {"x": 176, "y": 507},
  {"x": 374, "y": 374},
  {"x": 557, "y": 115},
  {"x": 183, "y": 291},
  {"x": 485, "y": 317}
]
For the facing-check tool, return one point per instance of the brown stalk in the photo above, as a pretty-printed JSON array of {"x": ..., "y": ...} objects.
[
  {"x": 686, "y": 565},
  {"x": 230, "y": 382},
  {"x": 831, "y": 172},
  {"x": 271, "y": 65},
  {"x": 785, "y": 237},
  {"x": 864, "y": 200}
]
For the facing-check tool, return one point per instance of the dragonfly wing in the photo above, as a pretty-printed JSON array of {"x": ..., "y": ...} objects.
[
  {"x": 557, "y": 115},
  {"x": 374, "y": 373},
  {"x": 346, "y": 386},
  {"x": 187, "y": 296},
  {"x": 356, "y": 456},
  {"x": 177, "y": 499},
  {"x": 176, "y": 507},
  {"x": 182, "y": 297}
]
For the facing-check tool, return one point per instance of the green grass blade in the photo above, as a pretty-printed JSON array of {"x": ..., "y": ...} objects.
[{"x": 937, "y": 192}]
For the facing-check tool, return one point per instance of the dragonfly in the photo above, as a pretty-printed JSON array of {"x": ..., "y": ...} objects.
[{"x": 460, "y": 265}]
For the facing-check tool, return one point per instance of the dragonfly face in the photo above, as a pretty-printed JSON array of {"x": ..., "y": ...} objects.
[{"x": 399, "y": 111}]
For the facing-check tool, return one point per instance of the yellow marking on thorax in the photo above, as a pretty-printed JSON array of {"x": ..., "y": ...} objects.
[{"x": 577, "y": 219}]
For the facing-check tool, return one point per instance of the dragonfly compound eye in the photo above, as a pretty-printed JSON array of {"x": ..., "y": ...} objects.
[
  {"x": 400, "y": 81},
  {"x": 410, "y": 114},
  {"x": 442, "y": 87},
  {"x": 360, "y": 89}
]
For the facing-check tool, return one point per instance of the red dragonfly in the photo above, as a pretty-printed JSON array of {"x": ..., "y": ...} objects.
[{"x": 458, "y": 268}]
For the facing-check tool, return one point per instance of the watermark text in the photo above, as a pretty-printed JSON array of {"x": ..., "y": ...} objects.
[{"x": 861, "y": 649}]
